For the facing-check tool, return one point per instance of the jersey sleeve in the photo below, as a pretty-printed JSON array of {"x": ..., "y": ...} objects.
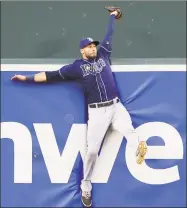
[
  {"x": 106, "y": 45},
  {"x": 67, "y": 72}
]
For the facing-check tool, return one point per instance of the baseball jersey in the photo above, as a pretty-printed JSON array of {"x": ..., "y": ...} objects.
[{"x": 95, "y": 75}]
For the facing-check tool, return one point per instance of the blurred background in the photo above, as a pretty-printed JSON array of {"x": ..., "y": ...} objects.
[{"x": 51, "y": 30}]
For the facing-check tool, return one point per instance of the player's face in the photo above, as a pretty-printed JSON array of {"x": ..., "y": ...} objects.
[{"x": 89, "y": 51}]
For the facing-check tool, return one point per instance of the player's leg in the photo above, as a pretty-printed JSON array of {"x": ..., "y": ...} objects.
[
  {"x": 122, "y": 123},
  {"x": 98, "y": 123}
]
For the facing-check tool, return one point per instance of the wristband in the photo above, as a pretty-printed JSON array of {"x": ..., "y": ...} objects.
[{"x": 30, "y": 78}]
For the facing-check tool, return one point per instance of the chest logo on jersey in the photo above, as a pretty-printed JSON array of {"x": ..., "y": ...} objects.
[{"x": 93, "y": 68}]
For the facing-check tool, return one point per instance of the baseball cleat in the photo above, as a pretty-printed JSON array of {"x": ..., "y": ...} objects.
[
  {"x": 86, "y": 199},
  {"x": 141, "y": 152}
]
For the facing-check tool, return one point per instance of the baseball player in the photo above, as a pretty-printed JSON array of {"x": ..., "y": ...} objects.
[{"x": 105, "y": 110}]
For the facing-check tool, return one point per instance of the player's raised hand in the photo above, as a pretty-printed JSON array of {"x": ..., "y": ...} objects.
[
  {"x": 18, "y": 78},
  {"x": 114, "y": 10}
]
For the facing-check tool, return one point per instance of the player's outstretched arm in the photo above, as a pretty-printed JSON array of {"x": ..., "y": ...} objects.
[
  {"x": 115, "y": 13},
  {"x": 39, "y": 77},
  {"x": 110, "y": 29},
  {"x": 106, "y": 44},
  {"x": 67, "y": 72}
]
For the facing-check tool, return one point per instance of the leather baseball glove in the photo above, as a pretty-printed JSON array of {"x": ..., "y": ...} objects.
[{"x": 112, "y": 9}]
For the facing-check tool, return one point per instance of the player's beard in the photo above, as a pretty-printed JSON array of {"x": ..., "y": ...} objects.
[{"x": 91, "y": 55}]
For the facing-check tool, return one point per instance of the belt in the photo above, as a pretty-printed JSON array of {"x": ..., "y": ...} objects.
[{"x": 99, "y": 105}]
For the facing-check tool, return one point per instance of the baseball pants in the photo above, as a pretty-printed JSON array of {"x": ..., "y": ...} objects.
[{"x": 99, "y": 120}]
